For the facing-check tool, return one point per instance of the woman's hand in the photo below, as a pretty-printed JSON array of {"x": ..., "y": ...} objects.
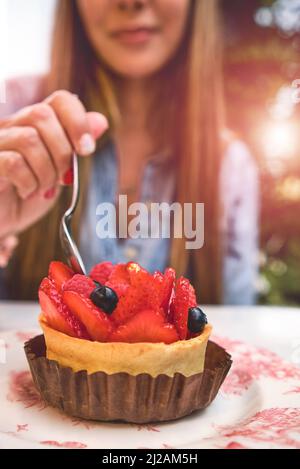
[{"x": 36, "y": 146}]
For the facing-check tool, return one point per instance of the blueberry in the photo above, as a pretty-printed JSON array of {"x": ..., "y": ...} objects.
[
  {"x": 196, "y": 320},
  {"x": 105, "y": 298},
  {"x": 98, "y": 284}
]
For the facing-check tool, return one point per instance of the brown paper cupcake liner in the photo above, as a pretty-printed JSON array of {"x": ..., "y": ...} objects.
[{"x": 122, "y": 397}]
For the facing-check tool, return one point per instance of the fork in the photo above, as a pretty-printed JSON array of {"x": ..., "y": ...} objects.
[{"x": 67, "y": 242}]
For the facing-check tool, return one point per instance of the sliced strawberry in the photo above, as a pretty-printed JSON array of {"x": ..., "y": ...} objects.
[
  {"x": 133, "y": 268},
  {"x": 119, "y": 279},
  {"x": 57, "y": 313},
  {"x": 59, "y": 273},
  {"x": 97, "y": 323},
  {"x": 159, "y": 278},
  {"x": 166, "y": 284},
  {"x": 142, "y": 294},
  {"x": 138, "y": 276},
  {"x": 146, "y": 326},
  {"x": 80, "y": 284},
  {"x": 101, "y": 272},
  {"x": 184, "y": 298}
]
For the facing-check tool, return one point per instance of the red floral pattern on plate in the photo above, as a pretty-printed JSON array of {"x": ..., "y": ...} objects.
[
  {"x": 294, "y": 391},
  {"x": 148, "y": 428},
  {"x": 24, "y": 336},
  {"x": 22, "y": 428},
  {"x": 64, "y": 444},
  {"x": 77, "y": 422},
  {"x": 252, "y": 363},
  {"x": 165, "y": 446},
  {"x": 22, "y": 389},
  {"x": 235, "y": 445},
  {"x": 273, "y": 426}
]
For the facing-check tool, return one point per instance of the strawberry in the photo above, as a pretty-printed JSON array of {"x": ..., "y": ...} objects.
[
  {"x": 97, "y": 323},
  {"x": 133, "y": 269},
  {"x": 57, "y": 313},
  {"x": 184, "y": 298},
  {"x": 80, "y": 284},
  {"x": 119, "y": 279},
  {"x": 166, "y": 284},
  {"x": 146, "y": 326},
  {"x": 138, "y": 276},
  {"x": 59, "y": 273},
  {"x": 140, "y": 295},
  {"x": 101, "y": 272}
]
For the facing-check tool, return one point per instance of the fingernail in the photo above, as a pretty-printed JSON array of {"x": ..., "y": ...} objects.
[
  {"x": 87, "y": 145},
  {"x": 68, "y": 178},
  {"x": 50, "y": 194}
]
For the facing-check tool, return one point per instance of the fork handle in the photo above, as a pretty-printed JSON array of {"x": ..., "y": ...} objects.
[{"x": 76, "y": 186}]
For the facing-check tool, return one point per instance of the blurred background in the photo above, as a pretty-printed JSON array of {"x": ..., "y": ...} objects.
[{"x": 262, "y": 60}]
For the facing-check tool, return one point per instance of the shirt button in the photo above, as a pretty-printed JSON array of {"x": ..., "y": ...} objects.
[{"x": 130, "y": 252}]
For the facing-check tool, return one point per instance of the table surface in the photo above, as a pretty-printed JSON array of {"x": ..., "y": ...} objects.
[{"x": 276, "y": 328}]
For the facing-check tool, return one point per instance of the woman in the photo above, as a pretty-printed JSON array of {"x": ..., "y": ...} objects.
[{"x": 154, "y": 69}]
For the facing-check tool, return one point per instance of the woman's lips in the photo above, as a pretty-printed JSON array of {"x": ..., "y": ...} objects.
[{"x": 135, "y": 36}]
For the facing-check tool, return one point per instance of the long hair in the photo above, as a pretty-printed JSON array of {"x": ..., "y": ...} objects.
[{"x": 189, "y": 90}]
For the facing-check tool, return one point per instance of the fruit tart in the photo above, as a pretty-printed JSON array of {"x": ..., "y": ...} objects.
[{"x": 122, "y": 344}]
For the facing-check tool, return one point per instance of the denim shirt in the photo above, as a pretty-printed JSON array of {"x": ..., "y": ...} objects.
[{"x": 239, "y": 226}]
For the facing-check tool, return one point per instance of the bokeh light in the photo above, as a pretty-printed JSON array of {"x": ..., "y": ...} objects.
[
  {"x": 279, "y": 140},
  {"x": 283, "y": 14}
]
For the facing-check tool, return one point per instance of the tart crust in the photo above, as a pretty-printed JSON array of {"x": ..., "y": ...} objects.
[{"x": 184, "y": 356}]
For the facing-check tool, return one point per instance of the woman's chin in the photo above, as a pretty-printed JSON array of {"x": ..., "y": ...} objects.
[{"x": 136, "y": 69}]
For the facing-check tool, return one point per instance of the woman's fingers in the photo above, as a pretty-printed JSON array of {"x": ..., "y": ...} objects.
[
  {"x": 74, "y": 119},
  {"x": 14, "y": 168},
  {"x": 36, "y": 144},
  {"x": 64, "y": 126},
  {"x": 43, "y": 118},
  {"x": 27, "y": 142},
  {"x": 98, "y": 124}
]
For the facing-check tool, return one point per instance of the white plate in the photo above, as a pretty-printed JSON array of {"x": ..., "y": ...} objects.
[{"x": 258, "y": 406}]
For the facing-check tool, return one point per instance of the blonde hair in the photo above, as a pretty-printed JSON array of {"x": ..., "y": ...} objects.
[{"x": 194, "y": 131}]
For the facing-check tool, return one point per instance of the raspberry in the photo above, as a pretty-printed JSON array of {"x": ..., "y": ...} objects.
[
  {"x": 80, "y": 284},
  {"x": 101, "y": 272}
]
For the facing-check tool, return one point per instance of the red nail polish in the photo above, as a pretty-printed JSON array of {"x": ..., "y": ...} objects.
[
  {"x": 68, "y": 178},
  {"x": 50, "y": 194}
]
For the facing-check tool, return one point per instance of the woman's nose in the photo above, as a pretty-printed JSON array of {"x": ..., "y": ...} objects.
[{"x": 127, "y": 5}]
